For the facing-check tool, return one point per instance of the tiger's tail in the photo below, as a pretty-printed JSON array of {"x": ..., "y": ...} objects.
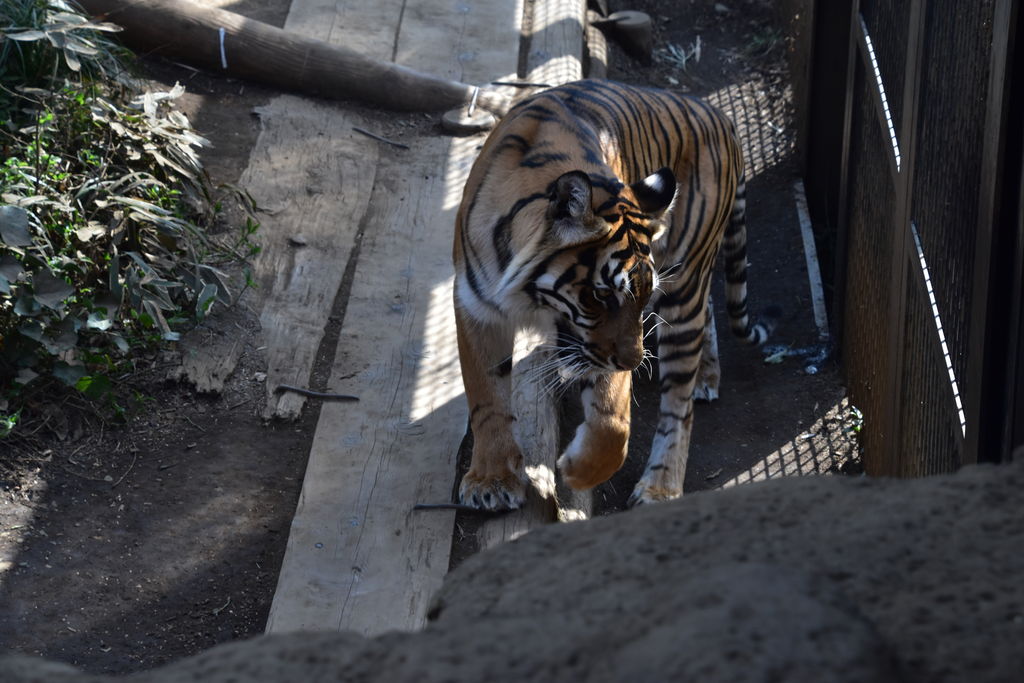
[{"x": 734, "y": 248}]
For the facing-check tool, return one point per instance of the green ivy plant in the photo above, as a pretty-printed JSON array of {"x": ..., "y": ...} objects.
[{"x": 103, "y": 208}]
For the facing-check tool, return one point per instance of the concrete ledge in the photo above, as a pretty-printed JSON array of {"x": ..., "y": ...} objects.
[{"x": 810, "y": 579}]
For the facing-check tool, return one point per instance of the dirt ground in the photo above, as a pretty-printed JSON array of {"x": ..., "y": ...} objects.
[{"x": 124, "y": 547}]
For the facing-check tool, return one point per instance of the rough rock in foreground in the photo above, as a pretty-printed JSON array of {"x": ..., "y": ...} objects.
[{"x": 821, "y": 579}]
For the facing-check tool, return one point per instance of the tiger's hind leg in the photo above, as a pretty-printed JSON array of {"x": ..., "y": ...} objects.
[{"x": 710, "y": 374}]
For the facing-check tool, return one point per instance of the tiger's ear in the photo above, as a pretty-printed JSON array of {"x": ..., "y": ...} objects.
[
  {"x": 654, "y": 194},
  {"x": 570, "y": 211}
]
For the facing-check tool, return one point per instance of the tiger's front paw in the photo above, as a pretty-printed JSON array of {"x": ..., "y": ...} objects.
[
  {"x": 591, "y": 459},
  {"x": 506, "y": 491}
]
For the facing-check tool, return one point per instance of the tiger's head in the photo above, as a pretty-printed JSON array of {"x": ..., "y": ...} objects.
[{"x": 600, "y": 274}]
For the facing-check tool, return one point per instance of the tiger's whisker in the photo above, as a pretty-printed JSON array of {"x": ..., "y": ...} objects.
[
  {"x": 664, "y": 272},
  {"x": 653, "y": 328}
]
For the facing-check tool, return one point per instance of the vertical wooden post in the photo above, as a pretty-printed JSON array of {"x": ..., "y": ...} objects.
[
  {"x": 555, "y": 57},
  {"x": 993, "y": 362}
]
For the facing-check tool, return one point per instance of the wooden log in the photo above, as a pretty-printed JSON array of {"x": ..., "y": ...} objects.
[
  {"x": 556, "y": 41},
  {"x": 555, "y": 57},
  {"x": 234, "y": 45}
]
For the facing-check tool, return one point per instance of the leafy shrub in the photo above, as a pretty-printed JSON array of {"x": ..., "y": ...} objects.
[
  {"x": 103, "y": 205},
  {"x": 44, "y": 40}
]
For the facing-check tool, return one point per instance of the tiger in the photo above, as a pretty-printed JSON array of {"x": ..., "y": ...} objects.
[{"x": 577, "y": 198}]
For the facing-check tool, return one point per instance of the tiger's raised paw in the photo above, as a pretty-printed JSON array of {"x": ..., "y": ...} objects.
[
  {"x": 494, "y": 494},
  {"x": 591, "y": 459}
]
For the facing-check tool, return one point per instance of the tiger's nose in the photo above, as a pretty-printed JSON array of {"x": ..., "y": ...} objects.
[{"x": 627, "y": 358}]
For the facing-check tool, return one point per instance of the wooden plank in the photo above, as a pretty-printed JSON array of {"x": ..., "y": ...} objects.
[
  {"x": 312, "y": 177},
  {"x": 429, "y": 27},
  {"x": 368, "y": 27},
  {"x": 358, "y": 556},
  {"x": 339, "y": 165},
  {"x": 556, "y": 51}
]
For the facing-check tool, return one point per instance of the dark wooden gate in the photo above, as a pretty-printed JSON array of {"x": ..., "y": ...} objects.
[{"x": 922, "y": 180}]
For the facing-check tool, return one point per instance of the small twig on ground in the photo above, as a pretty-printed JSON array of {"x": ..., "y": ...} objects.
[
  {"x": 42, "y": 423},
  {"x": 314, "y": 394},
  {"x": 457, "y": 506},
  {"x": 24, "y": 448},
  {"x": 186, "y": 67},
  {"x": 368, "y": 134},
  {"x": 521, "y": 84},
  {"x": 135, "y": 456},
  {"x": 138, "y": 372},
  {"x": 79, "y": 474},
  {"x": 240, "y": 403},
  {"x": 189, "y": 420},
  {"x": 220, "y": 609}
]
